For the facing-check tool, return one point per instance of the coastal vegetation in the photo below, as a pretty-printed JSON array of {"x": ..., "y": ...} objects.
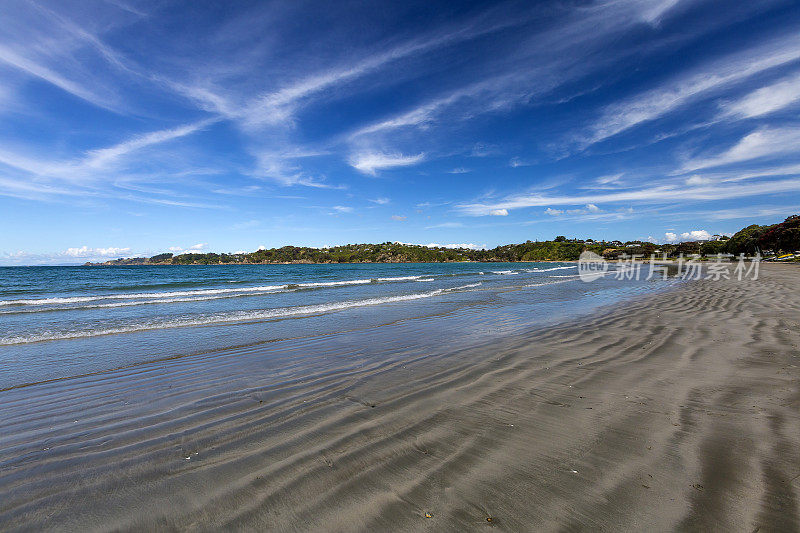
[{"x": 773, "y": 239}]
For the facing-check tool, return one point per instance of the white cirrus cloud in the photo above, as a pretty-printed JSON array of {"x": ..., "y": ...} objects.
[
  {"x": 766, "y": 99},
  {"x": 371, "y": 162},
  {"x": 752, "y": 212},
  {"x": 705, "y": 81},
  {"x": 670, "y": 192},
  {"x": 102, "y": 157},
  {"x": 761, "y": 143}
]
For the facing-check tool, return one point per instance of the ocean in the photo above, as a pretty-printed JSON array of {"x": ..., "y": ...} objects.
[{"x": 60, "y": 322}]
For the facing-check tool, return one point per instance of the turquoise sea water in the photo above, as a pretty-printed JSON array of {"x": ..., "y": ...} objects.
[{"x": 57, "y": 322}]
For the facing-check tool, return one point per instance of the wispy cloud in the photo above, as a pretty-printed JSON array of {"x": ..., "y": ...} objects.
[
  {"x": 754, "y": 212},
  {"x": 704, "y": 81},
  {"x": 704, "y": 176},
  {"x": 427, "y": 112},
  {"x": 762, "y": 143},
  {"x": 590, "y": 212},
  {"x": 104, "y": 156},
  {"x": 103, "y": 173},
  {"x": 67, "y": 54},
  {"x": 658, "y": 194},
  {"x": 446, "y": 225},
  {"x": 12, "y": 58},
  {"x": 766, "y": 100},
  {"x": 126, "y": 7},
  {"x": 372, "y": 162},
  {"x": 279, "y": 106},
  {"x": 551, "y": 57}
]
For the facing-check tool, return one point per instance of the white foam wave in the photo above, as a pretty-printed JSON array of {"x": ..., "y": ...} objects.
[
  {"x": 400, "y": 278},
  {"x": 505, "y": 272},
  {"x": 139, "y": 295},
  {"x": 231, "y": 317},
  {"x": 551, "y": 269},
  {"x": 470, "y": 286},
  {"x": 542, "y": 284},
  {"x": 14, "y": 311},
  {"x": 166, "y": 296}
]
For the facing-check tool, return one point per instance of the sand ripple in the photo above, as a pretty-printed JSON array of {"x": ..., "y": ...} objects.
[{"x": 677, "y": 411}]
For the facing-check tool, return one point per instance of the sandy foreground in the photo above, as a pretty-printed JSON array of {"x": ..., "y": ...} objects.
[{"x": 679, "y": 411}]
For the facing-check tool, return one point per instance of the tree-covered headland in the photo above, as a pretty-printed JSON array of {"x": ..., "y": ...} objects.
[{"x": 774, "y": 240}]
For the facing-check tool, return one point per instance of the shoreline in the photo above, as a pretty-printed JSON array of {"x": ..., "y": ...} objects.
[
  {"x": 675, "y": 410},
  {"x": 327, "y": 263},
  {"x": 661, "y": 260}
]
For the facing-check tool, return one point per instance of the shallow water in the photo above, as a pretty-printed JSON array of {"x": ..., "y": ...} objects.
[{"x": 57, "y": 322}]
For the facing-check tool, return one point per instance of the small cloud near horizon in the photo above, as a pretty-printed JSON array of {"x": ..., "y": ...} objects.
[
  {"x": 693, "y": 235},
  {"x": 454, "y": 246}
]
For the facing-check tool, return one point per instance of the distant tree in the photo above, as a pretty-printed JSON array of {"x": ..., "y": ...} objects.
[
  {"x": 688, "y": 248},
  {"x": 746, "y": 240},
  {"x": 160, "y": 258},
  {"x": 713, "y": 247},
  {"x": 783, "y": 237},
  {"x": 561, "y": 238}
]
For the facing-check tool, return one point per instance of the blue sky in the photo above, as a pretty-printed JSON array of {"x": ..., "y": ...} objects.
[{"x": 132, "y": 128}]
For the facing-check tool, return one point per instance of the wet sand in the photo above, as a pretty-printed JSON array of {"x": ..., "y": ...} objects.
[{"x": 679, "y": 411}]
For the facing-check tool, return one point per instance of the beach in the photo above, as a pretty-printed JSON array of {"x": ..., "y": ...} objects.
[{"x": 674, "y": 409}]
